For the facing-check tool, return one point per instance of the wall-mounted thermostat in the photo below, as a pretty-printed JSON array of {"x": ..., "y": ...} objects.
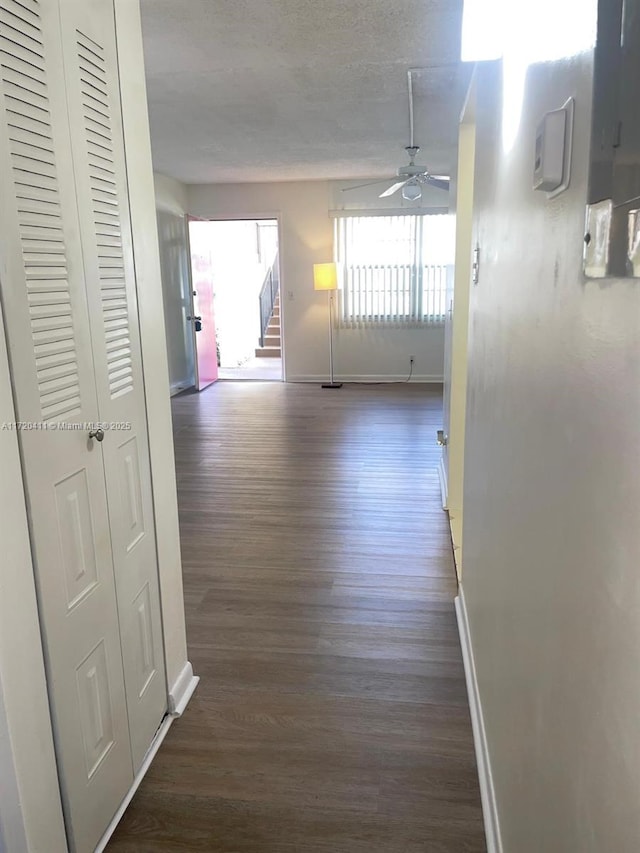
[{"x": 554, "y": 136}]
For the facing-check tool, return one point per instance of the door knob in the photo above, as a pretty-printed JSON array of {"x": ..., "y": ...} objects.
[{"x": 98, "y": 434}]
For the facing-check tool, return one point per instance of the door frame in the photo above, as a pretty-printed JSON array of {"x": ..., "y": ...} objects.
[
  {"x": 192, "y": 308},
  {"x": 460, "y": 323},
  {"x": 28, "y": 765},
  {"x": 258, "y": 217},
  {"x": 179, "y": 214}
]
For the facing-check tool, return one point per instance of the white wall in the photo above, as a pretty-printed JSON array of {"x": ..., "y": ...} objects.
[
  {"x": 153, "y": 340},
  {"x": 306, "y": 237},
  {"x": 552, "y": 492},
  {"x": 460, "y": 325},
  {"x": 170, "y": 194}
]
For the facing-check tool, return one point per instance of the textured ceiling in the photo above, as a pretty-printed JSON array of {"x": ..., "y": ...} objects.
[{"x": 269, "y": 90}]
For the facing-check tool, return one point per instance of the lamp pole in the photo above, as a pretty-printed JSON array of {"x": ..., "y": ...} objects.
[
  {"x": 331, "y": 383},
  {"x": 331, "y": 336}
]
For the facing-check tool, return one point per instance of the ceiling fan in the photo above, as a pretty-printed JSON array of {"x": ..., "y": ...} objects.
[{"x": 414, "y": 176}]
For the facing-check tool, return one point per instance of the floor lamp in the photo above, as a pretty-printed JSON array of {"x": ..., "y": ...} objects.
[{"x": 325, "y": 277}]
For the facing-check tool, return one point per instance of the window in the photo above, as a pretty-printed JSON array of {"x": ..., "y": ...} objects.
[{"x": 395, "y": 269}]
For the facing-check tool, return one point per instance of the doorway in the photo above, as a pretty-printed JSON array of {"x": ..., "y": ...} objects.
[{"x": 242, "y": 270}]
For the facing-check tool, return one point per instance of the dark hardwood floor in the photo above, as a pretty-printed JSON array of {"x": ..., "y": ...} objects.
[{"x": 332, "y": 715}]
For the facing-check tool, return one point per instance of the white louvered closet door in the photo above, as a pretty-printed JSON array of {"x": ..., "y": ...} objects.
[
  {"x": 91, "y": 71},
  {"x": 46, "y": 314}
]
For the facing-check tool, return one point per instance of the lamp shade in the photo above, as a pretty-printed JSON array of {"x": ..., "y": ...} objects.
[{"x": 325, "y": 276}]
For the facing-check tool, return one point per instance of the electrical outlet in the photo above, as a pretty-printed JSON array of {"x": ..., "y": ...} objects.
[{"x": 411, "y": 359}]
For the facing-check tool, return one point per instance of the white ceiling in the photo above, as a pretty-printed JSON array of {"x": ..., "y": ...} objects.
[{"x": 269, "y": 90}]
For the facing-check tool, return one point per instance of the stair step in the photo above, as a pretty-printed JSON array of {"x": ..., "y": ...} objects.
[
  {"x": 273, "y": 329},
  {"x": 272, "y": 340},
  {"x": 268, "y": 352}
]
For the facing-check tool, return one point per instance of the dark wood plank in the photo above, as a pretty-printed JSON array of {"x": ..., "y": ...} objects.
[{"x": 332, "y": 714}]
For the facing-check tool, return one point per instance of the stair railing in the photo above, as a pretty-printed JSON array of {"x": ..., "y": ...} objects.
[{"x": 267, "y": 298}]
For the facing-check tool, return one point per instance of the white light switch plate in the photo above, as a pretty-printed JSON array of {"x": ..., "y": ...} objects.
[{"x": 554, "y": 143}]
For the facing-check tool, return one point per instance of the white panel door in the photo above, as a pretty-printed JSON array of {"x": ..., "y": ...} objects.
[
  {"x": 91, "y": 71},
  {"x": 47, "y": 324}
]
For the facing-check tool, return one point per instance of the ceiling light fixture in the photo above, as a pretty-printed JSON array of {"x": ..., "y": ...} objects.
[{"x": 412, "y": 191}]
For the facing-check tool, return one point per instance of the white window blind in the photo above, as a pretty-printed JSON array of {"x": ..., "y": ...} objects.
[{"x": 394, "y": 269}]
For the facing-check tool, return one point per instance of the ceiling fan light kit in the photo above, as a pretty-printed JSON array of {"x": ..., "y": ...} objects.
[{"x": 411, "y": 191}]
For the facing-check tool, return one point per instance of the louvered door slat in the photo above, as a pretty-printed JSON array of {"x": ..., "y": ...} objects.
[
  {"x": 17, "y": 57},
  {"x": 45, "y": 192},
  {"x": 26, "y": 78},
  {"x": 14, "y": 32},
  {"x": 36, "y": 138},
  {"x": 55, "y": 353},
  {"x": 56, "y": 371},
  {"x": 47, "y": 257},
  {"x": 51, "y": 309},
  {"x": 21, "y": 110},
  {"x": 24, "y": 9}
]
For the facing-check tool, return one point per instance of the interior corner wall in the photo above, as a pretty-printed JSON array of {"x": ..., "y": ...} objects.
[
  {"x": 460, "y": 324},
  {"x": 306, "y": 237},
  {"x": 171, "y": 195},
  {"x": 551, "y": 494}
]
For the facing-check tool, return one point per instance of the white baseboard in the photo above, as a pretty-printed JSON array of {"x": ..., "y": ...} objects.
[
  {"x": 179, "y": 696},
  {"x": 442, "y": 476},
  {"x": 177, "y": 387},
  {"x": 417, "y": 378},
  {"x": 487, "y": 792},
  {"x": 151, "y": 754},
  {"x": 182, "y": 690}
]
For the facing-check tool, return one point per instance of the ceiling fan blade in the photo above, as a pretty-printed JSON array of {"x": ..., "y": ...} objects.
[
  {"x": 369, "y": 184},
  {"x": 441, "y": 182},
  {"x": 394, "y": 188}
]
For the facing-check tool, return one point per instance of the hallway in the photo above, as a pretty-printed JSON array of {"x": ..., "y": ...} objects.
[{"x": 332, "y": 715}]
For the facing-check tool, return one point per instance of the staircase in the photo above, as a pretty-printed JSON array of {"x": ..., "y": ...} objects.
[{"x": 272, "y": 348}]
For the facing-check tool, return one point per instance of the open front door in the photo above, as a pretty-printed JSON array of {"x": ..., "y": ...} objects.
[{"x": 202, "y": 318}]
